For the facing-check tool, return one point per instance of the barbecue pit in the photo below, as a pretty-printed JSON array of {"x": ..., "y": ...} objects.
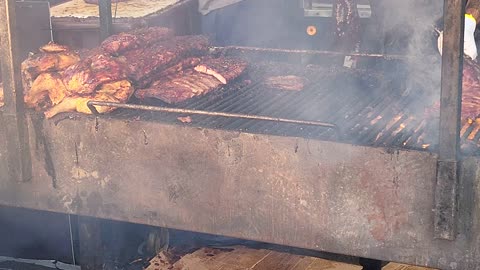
[{"x": 365, "y": 186}]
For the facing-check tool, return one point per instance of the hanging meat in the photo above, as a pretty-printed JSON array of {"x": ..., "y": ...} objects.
[{"x": 347, "y": 25}]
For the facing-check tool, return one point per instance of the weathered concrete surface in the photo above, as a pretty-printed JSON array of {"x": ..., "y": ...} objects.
[{"x": 361, "y": 201}]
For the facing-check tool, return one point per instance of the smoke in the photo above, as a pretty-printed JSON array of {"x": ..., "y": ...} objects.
[{"x": 413, "y": 24}]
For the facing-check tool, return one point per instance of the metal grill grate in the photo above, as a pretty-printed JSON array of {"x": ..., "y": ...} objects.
[{"x": 369, "y": 109}]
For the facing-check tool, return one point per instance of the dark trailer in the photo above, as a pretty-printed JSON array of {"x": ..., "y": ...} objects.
[{"x": 346, "y": 165}]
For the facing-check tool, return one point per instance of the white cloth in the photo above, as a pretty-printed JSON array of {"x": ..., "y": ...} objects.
[
  {"x": 469, "y": 45},
  {"x": 206, "y": 6}
]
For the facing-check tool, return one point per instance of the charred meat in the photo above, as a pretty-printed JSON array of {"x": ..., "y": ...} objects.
[
  {"x": 84, "y": 77},
  {"x": 184, "y": 64},
  {"x": 223, "y": 69},
  {"x": 144, "y": 62},
  {"x": 180, "y": 88},
  {"x": 289, "y": 82}
]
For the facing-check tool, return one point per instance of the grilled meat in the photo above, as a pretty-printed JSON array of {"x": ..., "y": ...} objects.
[
  {"x": 181, "y": 88},
  {"x": 52, "y": 47},
  {"x": 119, "y": 91},
  {"x": 184, "y": 64},
  {"x": 347, "y": 24},
  {"x": 52, "y": 59},
  {"x": 290, "y": 83},
  {"x": 222, "y": 68},
  {"x": 84, "y": 77},
  {"x": 144, "y": 62},
  {"x": 140, "y": 38},
  {"x": 45, "y": 85}
]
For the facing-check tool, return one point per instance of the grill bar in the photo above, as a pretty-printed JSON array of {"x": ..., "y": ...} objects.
[
  {"x": 91, "y": 105},
  {"x": 225, "y": 50}
]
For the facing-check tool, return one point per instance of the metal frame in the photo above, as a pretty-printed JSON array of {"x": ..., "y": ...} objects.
[
  {"x": 19, "y": 164},
  {"x": 409, "y": 180},
  {"x": 105, "y": 14},
  {"x": 450, "y": 117}
]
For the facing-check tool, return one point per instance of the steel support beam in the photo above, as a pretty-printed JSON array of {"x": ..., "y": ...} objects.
[
  {"x": 450, "y": 109},
  {"x": 14, "y": 122},
  {"x": 105, "y": 14}
]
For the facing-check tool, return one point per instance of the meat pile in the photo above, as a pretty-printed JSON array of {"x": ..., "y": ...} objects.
[{"x": 153, "y": 60}]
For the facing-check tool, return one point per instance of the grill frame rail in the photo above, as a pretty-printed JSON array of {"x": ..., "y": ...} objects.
[{"x": 92, "y": 103}]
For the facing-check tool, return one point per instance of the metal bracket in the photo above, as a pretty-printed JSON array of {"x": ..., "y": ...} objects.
[
  {"x": 105, "y": 14},
  {"x": 19, "y": 160}
]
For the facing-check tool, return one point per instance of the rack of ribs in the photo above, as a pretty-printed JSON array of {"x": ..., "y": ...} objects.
[
  {"x": 178, "y": 84},
  {"x": 180, "y": 88},
  {"x": 139, "y": 38},
  {"x": 145, "y": 62},
  {"x": 184, "y": 64},
  {"x": 223, "y": 68}
]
